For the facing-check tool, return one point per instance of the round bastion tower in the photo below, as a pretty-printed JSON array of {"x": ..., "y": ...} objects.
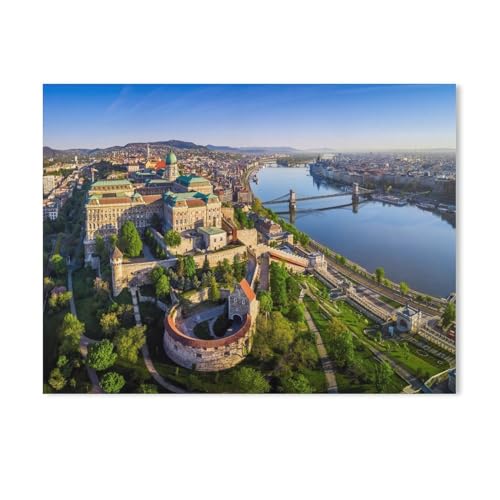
[{"x": 116, "y": 261}]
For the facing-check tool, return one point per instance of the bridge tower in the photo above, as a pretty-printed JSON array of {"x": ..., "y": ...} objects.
[
  {"x": 292, "y": 202},
  {"x": 292, "y": 205},
  {"x": 355, "y": 195}
]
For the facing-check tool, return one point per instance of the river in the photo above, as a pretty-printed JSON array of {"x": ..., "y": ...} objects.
[{"x": 411, "y": 244}]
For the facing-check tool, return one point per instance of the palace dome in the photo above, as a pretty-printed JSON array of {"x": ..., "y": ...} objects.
[{"x": 171, "y": 158}]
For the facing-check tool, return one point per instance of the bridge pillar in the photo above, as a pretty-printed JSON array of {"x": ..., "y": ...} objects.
[
  {"x": 292, "y": 202},
  {"x": 355, "y": 195}
]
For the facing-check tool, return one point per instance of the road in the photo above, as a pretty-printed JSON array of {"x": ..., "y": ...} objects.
[
  {"x": 370, "y": 284},
  {"x": 325, "y": 360}
]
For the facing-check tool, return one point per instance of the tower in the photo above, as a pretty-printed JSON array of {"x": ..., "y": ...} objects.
[
  {"x": 171, "y": 168},
  {"x": 147, "y": 155},
  {"x": 116, "y": 261}
]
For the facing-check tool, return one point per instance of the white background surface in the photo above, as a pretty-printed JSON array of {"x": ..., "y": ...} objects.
[{"x": 244, "y": 446}]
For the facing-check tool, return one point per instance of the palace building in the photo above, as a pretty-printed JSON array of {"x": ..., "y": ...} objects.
[
  {"x": 191, "y": 210},
  {"x": 111, "y": 203},
  {"x": 186, "y": 183}
]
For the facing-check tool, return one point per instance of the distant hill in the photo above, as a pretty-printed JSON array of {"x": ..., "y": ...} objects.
[{"x": 49, "y": 152}]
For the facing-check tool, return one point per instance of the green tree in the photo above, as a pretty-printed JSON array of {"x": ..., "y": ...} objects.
[
  {"x": 383, "y": 376},
  {"x": 130, "y": 242},
  {"x": 256, "y": 205},
  {"x": 239, "y": 268},
  {"x": 110, "y": 323},
  {"x": 266, "y": 303},
  {"x": 214, "y": 292},
  {"x": 293, "y": 288},
  {"x": 113, "y": 240},
  {"x": 162, "y": 287},
  {"x": 112, "y": 382},
  {"x": 128, "y": 342},
  {"x": 70, "y": 332},
  {"x": 278, "y": 276},
  {"x": 296, "y": 384},
  {"x": 148, "y": 389},
  {"x": 101, "y": 355},
  {"x": 48, "y": 284},
  {"x": 449, "y": 314},
  {"x": 404, "y": 288},
  {"x": 379, "y": 274},
  {"x": 336, "y": 327},
  {"x": 156, "y": 273},
  {"x": 189, "y": 266},
  {"x": 56, "y": 379},
  {"x": 249, "y": 381},
  {"x": 58, "y": 264},
  {"x": 296, "y": 312},
  {"x": 343, "y": 349},
  {"x": 172, "y": 238}
]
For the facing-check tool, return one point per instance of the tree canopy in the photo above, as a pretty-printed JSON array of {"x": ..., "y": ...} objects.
[
  {"x": 172, "y": 238},
  {"x": 101, "y": 355},
  {"x": 162, "y": 287},
  {"x": 379, "y": 274},
  {"x": 112, "y": 382},
  {"x": 58, "y": 264},
  {"x": 249, "y": 381},
  {"x": 129, "y": 240},
  {"x": 71, "y": 331},
  {"x": 128, "y": 342}
]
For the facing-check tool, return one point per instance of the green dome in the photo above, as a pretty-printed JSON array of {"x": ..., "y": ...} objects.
[{"x": 170, "y": 159}]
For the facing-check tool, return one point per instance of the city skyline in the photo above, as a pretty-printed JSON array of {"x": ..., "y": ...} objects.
[{"x": 335, "y": 117}]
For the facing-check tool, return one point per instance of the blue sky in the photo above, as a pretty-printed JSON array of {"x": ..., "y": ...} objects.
[{"x": 343, "y": 117}]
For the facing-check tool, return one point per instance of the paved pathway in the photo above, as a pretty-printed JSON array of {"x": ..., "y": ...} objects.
[
  {"x": 326, "y": 362},
  {"x": 84, "y": 340},
  {"x": 145, "y": 351}
]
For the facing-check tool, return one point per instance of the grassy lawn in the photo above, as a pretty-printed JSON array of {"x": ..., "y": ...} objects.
[
  {"x": 83, "y": 283},
  {"x": 421, "y": 367}
]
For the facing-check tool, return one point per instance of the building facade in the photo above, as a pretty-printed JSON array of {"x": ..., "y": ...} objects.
[
  {"x": 183, "y": 211},
  {"x": 110, "y": 204}
]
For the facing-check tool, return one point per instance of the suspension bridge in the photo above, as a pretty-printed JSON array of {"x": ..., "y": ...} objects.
[{"x": 357, "y": 192}]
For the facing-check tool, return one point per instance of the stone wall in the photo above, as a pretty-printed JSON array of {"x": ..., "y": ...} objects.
[
  {"x": 247, "y": 236},
  {"x": 207, "y": 355},
  {"x": 216, "y": 257},
  {"x": 123, "y": 273}
]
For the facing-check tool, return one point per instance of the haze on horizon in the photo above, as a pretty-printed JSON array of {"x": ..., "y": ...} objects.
[{"x": 338, "y": 117}]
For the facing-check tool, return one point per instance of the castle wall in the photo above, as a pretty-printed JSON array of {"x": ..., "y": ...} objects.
[{"x": 207, "y": 355}]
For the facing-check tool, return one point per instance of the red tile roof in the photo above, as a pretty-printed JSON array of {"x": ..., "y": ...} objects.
[
  {"x": 160, "y": 164},
  {"x": 195, "y": 203},
  {"x": 247, "y": 289},
  {"x": 112, "y": 201}
]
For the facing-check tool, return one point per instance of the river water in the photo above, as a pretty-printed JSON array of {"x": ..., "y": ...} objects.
[{"x": 411, "y": 244}]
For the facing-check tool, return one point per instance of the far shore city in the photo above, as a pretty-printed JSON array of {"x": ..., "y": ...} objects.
[{"x": 313, "y": 250}]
